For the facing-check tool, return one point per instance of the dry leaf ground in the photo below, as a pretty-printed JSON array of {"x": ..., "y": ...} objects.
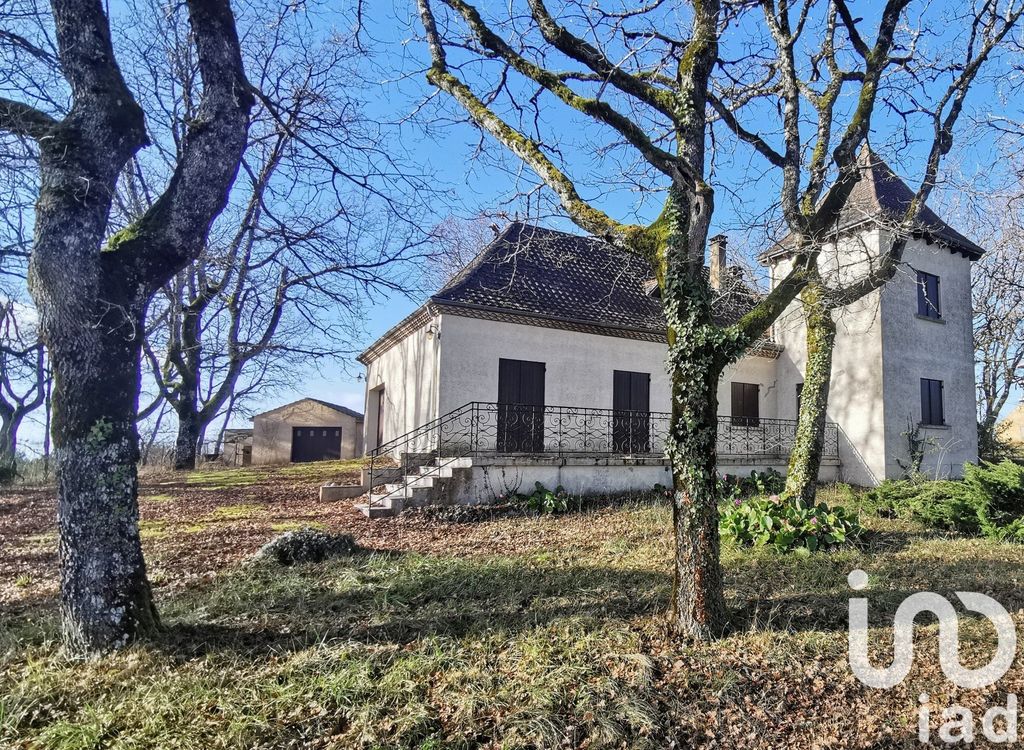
[{"x": 486, "y": 632}]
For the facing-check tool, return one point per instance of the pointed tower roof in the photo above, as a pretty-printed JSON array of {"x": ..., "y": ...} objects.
[{"x": 881, "y": 197}]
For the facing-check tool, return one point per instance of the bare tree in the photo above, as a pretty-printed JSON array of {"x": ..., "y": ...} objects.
[
  {"x": 998, "y": 292},
  {"x": 646, "y": 79},
  {"x": 91, "y": 289},
  {"x": 23, "y": 375},
  {"x": 456, "y": 242},
  {"x": 318, "y": 221},
  {"x": 929, "y": 90}
]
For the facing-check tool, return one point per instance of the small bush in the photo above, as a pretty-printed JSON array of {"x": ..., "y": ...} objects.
[
  {"x": 789, "y": 525},
  {"x": 732, "y": 486},
  {"x": 946, "y": 505},
  {"x": 305, "y": 546},
  {"x": 543, "y": 500},
  {"x": 989, "y": 500}
]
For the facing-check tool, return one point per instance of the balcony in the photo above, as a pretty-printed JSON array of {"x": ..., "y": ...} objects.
[{"x": 480, "y": 428}]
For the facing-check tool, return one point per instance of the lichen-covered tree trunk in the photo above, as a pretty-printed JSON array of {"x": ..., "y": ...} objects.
[
  {"x": 105, "y": 596},
  {"x": 90, "y": 317},
  {"x": 91, "y": 295},
  {"x": 698, "y": 605},
  {"x": 805, "y": 460}
]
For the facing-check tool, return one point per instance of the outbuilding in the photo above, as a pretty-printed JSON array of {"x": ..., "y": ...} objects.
[{"x": 307, "y": 430}]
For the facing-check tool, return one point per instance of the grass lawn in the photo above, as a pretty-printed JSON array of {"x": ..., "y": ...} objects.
[{"x": 498, "y": 632}]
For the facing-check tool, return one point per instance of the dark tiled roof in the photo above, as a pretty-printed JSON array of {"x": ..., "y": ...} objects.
[
  {"x": 536, "y": 271},
  {"x": 881, "y": 196}
]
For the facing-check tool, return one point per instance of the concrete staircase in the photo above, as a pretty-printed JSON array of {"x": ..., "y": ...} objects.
[{"x": 428, "y": 484}]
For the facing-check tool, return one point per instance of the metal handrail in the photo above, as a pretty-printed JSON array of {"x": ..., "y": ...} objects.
[
  {"x": 487, "y": 428},
  {"x": 426, "y": 432}
]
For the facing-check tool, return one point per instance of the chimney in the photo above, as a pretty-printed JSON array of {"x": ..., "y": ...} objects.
[{"x": 717, "y": 260}]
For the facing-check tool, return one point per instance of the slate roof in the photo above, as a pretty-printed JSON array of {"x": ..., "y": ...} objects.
[
  {"x": 536, "y": 271},
  {"x": 881, "y": 196}
]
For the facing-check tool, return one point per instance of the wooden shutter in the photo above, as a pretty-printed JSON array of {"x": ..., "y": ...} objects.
[
  {"x": 932, "y": 406},
  {"x": 631, "y": 391},
  {"x": 631, "y": 402},
  {"x": 521, "y": 410},
  {"x": 620, "y": 390},
  {"x": 928, "y": 300},
  {"x": 746, "y": 406},
  {"x": 508, "y": 381}
]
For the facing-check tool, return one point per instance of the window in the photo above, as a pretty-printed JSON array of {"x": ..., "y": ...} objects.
[
  {"x": 799, "y": 397},
  {"x": 932, "y": 412},
  {"x": 746, "y": 406},
  {"x": 928, "y": 303}
]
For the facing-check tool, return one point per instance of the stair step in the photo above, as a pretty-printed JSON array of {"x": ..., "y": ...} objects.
[
  {"x": 401, "y": 490},
  {"x": 418, "y": 488},
  {"x": 434, "y": 471},
  {"x": 383, "y": 510},
  {"x": 380, "y": 506}
]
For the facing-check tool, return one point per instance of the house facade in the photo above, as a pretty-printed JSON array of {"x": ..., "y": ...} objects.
[{"x": 544, "y": 360}]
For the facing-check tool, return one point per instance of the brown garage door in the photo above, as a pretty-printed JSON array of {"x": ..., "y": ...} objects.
[{"x": 315, "y": 443}]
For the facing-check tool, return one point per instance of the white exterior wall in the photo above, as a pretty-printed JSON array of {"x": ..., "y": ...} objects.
[
  {"x": 856, "y": 397},
  {"x": 408, "y": 372},
  {"x": 579, "y": 365},
  {"x": 915, "y": 348}
]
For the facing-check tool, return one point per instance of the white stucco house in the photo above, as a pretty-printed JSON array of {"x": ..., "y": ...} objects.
[{"x": 544, "y": 360}]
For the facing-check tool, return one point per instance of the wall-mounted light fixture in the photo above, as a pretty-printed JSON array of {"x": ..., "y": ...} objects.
[{"x": 432, "y": 331}]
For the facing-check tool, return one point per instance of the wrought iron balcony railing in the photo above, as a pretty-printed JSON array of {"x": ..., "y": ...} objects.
[{"x": 481, "y": 428}]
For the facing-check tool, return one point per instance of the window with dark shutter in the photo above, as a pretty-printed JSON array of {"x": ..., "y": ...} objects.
[
  {"x": 631, "y": 405},
  {"x": 746, "y": 404},
  {"x": 928, "y": 302},
  {"x": 932, "y": 408}
]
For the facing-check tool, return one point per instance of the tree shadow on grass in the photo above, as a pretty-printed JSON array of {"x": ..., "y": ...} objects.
[
  {"x": 829, "y": 610},
  {"x": 424, "y": 598}
]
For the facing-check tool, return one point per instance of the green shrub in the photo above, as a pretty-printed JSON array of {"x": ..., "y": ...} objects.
[
  {"x": 732, "y": 486},
  {"x": 990, "y": 500},
  {"x": 789, "y": 525},
  {"x": 997, "y": 492},
  {"x": 543, "y": 500},
  {"x": 946, "y": 505}
]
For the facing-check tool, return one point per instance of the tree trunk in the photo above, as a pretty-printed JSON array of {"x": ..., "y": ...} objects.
[
  {"x": 106, "y": 600},
  {"x": 698, "y": 603},
  {"x": 805, "y": 460},
  {"x": 696, "y": 360},
  {"x": 47, "y": 412},
  {"x": 90, "y": 314},
  {"x": 190, "y": 429},
  {"x": 9, "y": 448}
]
